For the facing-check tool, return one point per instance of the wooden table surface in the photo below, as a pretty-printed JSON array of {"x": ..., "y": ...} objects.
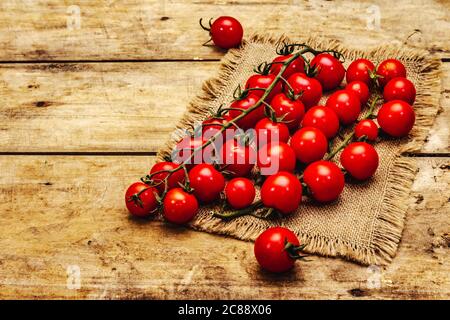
[{"x": 85, "y": 106}]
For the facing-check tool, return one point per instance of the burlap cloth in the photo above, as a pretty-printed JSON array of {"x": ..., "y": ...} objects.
[{"x": 366, "y": 223}]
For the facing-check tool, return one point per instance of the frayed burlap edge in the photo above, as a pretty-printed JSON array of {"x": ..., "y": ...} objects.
[{"x": 390, "y": 220}]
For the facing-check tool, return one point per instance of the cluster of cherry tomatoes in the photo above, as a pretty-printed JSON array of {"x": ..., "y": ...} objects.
[{"x": 281, "y": 104}]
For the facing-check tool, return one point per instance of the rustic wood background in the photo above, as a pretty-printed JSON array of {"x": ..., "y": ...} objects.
[{"x": 84, "y": 110}]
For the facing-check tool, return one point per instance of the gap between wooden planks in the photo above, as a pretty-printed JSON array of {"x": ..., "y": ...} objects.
[
  {"x": 129, "y": 108},
  {"x": 64, "y": 211}
]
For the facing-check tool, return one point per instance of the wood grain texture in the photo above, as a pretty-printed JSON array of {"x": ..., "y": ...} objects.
[
  {"x": 63, "y": 211},
  {"x": 117, "y": 107},
  {"x": 92, "y": 107},
  {"x": 138, "y": 29}
]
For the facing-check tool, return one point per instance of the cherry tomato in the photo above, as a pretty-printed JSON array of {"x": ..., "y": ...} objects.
[
  {"x": 282, "y": 191},
  {"x": 263, "y": 81},
  {"x": 298, "y": 65},
  {"x": 396, "y": 118},
  {"x": 346, "y": 104},
  {"x": 226, "y": 32},
  {"x": 140, "y": 199},
  {"x": 184, "y": 149},
  {"x": 325, "y": 180},
  {"x": 237, "y": 158},
  {"x": 311, "y": 88},
  {"x": 360, "y": 70},
  {"x": 174, "y": 180},
  {"x": 268, "y": 131},
  {"x": 330, "y": 70},
  {"x": 250, "y": 120},
  {"x": 360, "y": 89},
  {"x": 240, "y": 193},
  {"x": 270, "y": 249},
  {"x": 367, "y": 128},
  {"x": 291, "y": 111},
  {"x": 322, "y": 118},
  {"x": 390, "y": 69},
  {"x": 179, "y": 206},
  {"x": 207, "y": 182},
  {"x": 399, "y": 89},
  {"x": 211, "y": 126},
  {"x": 360, "y": 159},
  {"x": 274, "y": 157},
  {"x": 309, "y": 144}
]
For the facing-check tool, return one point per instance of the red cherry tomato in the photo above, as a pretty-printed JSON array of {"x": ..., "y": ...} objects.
[
  {"x": 346, "y": 104},
  {"x": 250, "y": 120},
  {"x": 360, "y": 70},
  {"x": 325, "y": 180},
  {"x": 226, "y": 32},
  {"x": 399, "y": 89},
  {"x": 274, "y": 157},
  {"x": 263, "y": 81},
  {"x": 211, "y": 126},
  {"x": 309, "y": 144},
  {"x": 322, "y": 118},
  {"x": 292, "y": 111},
  {"x": 360, "y": 159},
  {"x": 207, "y": 182},
  {"x": 330, "y": 70},
  {"x": 268, "y": 131},
  {"x": 390, "y": 69},
  {"x": 366, "y": 128},
  {"x": 270, "y": 249},
  {"x": 396, "y": 118},
  {"x": 179, "y": 206},
  {"x": 311, "y": 88},
  {"x": 140, "y": 199},
  {"x": 237, "y": 158},
  {"x": 360, "y": 89},
  {"x": 282, "y": 191},
  {"x": 174, "y": 180},
  {"x": 184, "y": 152},
  {"x": 240, "y": 193},
  {"x": 298, "y": 65}
]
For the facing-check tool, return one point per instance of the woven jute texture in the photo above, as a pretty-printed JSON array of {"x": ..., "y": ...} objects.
[{"x": 366, "y": 222}]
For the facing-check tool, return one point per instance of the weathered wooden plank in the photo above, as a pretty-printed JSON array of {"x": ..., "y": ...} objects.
[
  {"x": 116, "y": 107},
  {"x": 64, "y": 212},
  {"x": 95, "y": 107},
  {"x": 138, "y": 29}
]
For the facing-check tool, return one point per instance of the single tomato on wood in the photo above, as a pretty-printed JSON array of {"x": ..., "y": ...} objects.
[{"x": 276, "y": 249}]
